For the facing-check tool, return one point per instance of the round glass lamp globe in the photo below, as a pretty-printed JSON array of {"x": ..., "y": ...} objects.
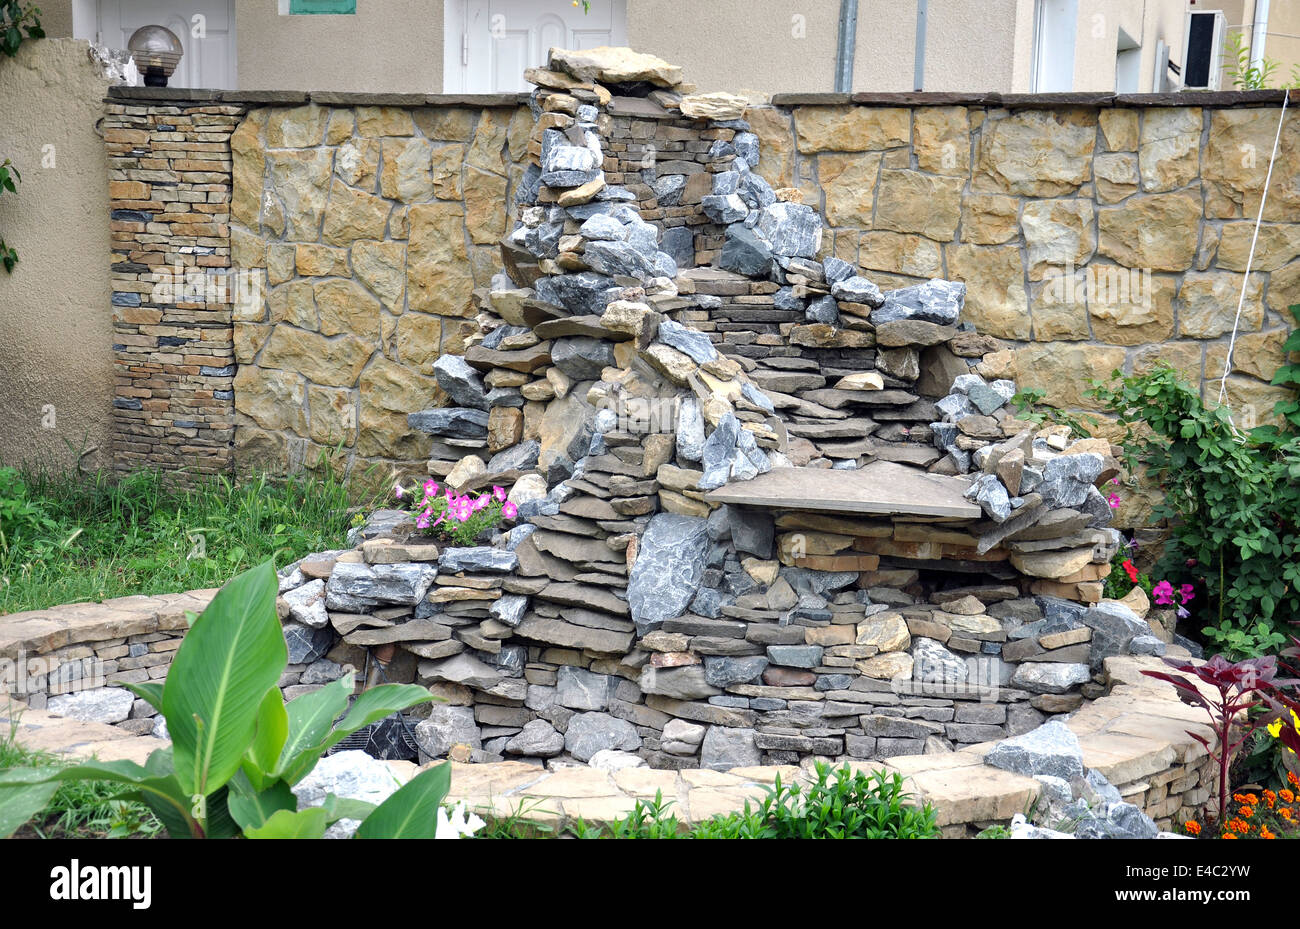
[{"x": 156, "y": 51}]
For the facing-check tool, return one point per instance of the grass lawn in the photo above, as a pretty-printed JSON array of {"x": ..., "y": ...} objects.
[{"x": 68, "y": 538}]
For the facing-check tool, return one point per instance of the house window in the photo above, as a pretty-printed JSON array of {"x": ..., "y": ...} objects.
[{"x": 337, "y": 7}]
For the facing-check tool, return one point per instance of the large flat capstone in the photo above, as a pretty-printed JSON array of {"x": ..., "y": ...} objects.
[{"x": 881, "y": 487}]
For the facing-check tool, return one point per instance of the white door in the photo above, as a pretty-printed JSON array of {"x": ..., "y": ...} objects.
[
  {"x": 489, "y": 43},
  {"x": 206, "y": 29}
]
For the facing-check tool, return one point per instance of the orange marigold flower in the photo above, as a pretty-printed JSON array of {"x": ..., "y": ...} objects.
[
  {"x": 1265, "y": 834},
  {"x": 1246, "y": 811},
  {"x": 1285, "y": 813},
  {"x": 1292, "y": 779},
  {"x": 1229, "y": 835},
  {"x": 1286, "y": 795},
  {"x": 1192, "y": 827},
  {"x": 1240, "y": 798},
  {"x": 1252, "y": 799}
]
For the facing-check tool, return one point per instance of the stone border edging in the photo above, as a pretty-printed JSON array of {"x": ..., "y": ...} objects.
[{"x": 1135, "y": 735}]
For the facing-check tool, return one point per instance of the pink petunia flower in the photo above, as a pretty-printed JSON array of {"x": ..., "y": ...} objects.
[
  {"x": 397, "y": 491},
  {"x": 1113, "y": 501},
  {"x": 509, "y": 510},
  {"x": 423, "y": 521},
  {"x": 1187, "y": 592},
  {"x": 1163, "y": 593},
  {"x": 499, "y": 493}
]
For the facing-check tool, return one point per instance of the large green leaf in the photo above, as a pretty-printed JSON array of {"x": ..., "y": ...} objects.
[
  {"x": 272, "y": 731},
  {"x": 20, "y": 802},
  {"x": 376, "y": 703},
  {"x": 252, "y": 808},
  {"x": 150, "y": 691},
  {"x": 285, "y": 824},
  {"x": 346, "y": 808},
  {"x": 310, "y": 718},
  {"x": 156, "y": 785},
  {"x": 230, "y": 658},
  {"x": 411, "y": 812},
  {"x": 372, "y": 705}
]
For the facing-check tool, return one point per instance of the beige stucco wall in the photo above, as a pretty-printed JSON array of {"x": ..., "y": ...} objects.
[
  {"x": 740, "y": 45},
  {"x": 55, "y": 317},
  {"x": 970, "y": 46},
  {"x": 389, "y": 46}
]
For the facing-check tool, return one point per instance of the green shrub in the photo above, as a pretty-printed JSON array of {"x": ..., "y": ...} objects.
[{"x": 1232, "y": 501}]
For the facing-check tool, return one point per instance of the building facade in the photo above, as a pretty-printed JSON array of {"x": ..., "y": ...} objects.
[{"x": 761, "y": 46}]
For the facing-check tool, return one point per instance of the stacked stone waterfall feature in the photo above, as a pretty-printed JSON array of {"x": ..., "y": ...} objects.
[{"x": 766, "y": 510}]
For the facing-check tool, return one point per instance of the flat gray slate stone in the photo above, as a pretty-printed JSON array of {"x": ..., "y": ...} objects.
[{"x": 879, "y": 487}]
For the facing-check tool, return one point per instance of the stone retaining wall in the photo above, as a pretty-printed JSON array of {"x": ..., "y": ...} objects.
[
  {"x": 1135, "y": 736},
  {"x": 1008, "y": 194}
]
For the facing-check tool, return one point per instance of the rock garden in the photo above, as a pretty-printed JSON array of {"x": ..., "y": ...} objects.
[{"x": 705, "y": 508}]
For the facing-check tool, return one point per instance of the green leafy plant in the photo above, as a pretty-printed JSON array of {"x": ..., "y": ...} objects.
[
  {"x": 1232, "y": 502},
  {"x": 1244, "y": 74},
  {"x": 18, "y": 22},
  {"x": 1288, "y": 375},
  {"x": 1029, "y": 402},
  {"x": 237, "y": 747},
  {"x": 838, "y": 804},
  {"x": 9, "y": 177}
]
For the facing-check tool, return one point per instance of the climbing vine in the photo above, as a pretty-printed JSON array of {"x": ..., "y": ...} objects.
[{"x": 17, "y": 23}]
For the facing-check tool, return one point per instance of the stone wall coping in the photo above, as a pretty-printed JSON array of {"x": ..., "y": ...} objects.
[
  {"x": 39, "y": 632},
  {"x": 182, "y": 95},
  {"x": 1210, "y": 99}
]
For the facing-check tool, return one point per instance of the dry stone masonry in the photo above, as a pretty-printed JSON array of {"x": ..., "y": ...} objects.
[
  {"x": 170, "y": 188},
  {"x": 767, "y": 512}
]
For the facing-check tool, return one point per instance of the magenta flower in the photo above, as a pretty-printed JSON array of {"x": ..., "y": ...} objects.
[
  {"x": 509, "y": 510},
  {"x": 480, "y": 502},
  {"x": 1187, "y": 592},
  {"x": 499, "y": 493},
  {"x": 1163, "y": 593},
  {"x": 423, "y": 521},
  {"x": 430, "y": 488},
  {"x": 1113, "y": 500},
  {"x": 397, "y": 491}
]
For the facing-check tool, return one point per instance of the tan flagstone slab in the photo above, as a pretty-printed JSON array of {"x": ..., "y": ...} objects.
[{"x": 880, "y": 487}]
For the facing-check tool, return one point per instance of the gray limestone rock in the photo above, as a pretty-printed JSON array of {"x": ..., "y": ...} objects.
[
  {"x": 589, "y": 733},
  {"x": 1051, "y": 749},
  {"x": 460, "y": 381},
  {"x": 668, "y": 568}
]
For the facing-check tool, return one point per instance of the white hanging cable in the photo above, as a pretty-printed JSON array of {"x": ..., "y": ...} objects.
[{"x": 1250, "y": 260}]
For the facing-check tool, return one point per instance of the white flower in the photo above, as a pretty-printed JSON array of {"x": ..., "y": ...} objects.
[{"x": 459, "y": 824}]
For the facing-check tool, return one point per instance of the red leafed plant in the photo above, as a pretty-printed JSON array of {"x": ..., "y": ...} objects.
[{"x": 1237, "y": 684}]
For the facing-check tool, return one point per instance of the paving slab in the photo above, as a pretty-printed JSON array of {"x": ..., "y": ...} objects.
[{"x": 881, "y": 487}]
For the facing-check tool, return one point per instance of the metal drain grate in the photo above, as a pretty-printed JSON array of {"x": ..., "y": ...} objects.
[{"x": 388, "y": 739}]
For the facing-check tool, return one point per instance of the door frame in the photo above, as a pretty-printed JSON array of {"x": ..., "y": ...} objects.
[{"x": 455, "y": 42}]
